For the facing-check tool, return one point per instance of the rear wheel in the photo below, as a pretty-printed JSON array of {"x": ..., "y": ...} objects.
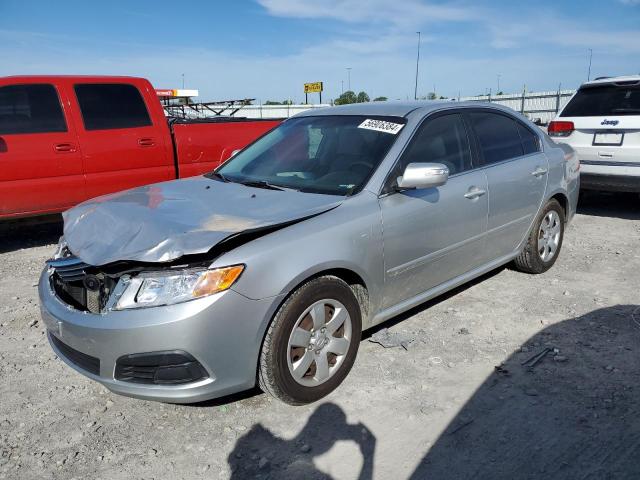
[
  {"x": 312, "y": 342},
  {"x": 544, "y": 242}
]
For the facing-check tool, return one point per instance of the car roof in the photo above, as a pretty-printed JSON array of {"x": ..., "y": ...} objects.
[
  {"x": 395, "y": 109},
  {"x": 386, "y": 108},
  {"x": 612, "y": 80},
  {"x": 86, "y": 78}
]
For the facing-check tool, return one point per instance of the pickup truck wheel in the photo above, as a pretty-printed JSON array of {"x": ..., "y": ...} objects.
[
  {"x": 545, "y": 240},
  {"x": 312, "y": 342}
]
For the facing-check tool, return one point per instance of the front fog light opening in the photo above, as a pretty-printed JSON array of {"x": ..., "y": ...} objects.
[{"x": 170, "y": 367}]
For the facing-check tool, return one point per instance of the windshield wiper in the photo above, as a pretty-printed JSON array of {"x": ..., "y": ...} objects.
[
  {"x": 217, "y": 175},
  {"x": 261, "y": 184}
]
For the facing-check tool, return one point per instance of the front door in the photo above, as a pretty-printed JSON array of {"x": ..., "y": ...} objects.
[
  {"x": 40, "y": 159},
  {"x": 433, "y": 235}
]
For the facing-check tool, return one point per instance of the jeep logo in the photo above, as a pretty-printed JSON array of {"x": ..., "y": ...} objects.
[{"x": 613, "y": 123}]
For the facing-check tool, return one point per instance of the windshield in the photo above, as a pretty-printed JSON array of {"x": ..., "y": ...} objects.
[
  {"x": 603, "y": 101},
  {"x": 333, "y": 155}
]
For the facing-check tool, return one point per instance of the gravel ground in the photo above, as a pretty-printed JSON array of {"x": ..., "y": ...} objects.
[{"x": 455, "y": 403}]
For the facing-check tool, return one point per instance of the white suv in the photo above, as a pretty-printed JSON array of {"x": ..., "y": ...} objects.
[{"x": 601, "y": 123}]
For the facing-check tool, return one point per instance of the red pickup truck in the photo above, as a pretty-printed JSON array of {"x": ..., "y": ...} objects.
[{"x": 64, "y": 139}]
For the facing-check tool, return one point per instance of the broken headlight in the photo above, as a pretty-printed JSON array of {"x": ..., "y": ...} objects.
[
  {"x": 153, "y": 289},
  {"x": 62, "y": 249}
]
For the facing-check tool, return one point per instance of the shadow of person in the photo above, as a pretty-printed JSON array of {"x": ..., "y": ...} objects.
[
  {"x": 574, "y": 414},
  {"x": 261, "y": 454}
]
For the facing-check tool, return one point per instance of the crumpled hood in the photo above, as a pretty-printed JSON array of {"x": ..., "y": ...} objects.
[{"x": 164, "y": 221}]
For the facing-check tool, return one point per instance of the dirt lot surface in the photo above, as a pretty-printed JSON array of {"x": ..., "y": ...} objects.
[{"x": 456, "y": 403}]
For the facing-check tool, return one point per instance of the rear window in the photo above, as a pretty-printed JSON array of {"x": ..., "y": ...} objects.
[
  {"x": 603, "y": 101},
  {"x": 109, "y": 106},
  {"x": 32, "y": 108},
  {"x": 530, "y": 141}
]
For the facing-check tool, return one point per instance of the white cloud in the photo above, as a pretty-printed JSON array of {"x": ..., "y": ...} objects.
[{"x": 398, "y": 12}]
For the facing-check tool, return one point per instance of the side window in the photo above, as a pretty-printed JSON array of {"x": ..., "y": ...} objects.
[
  {"x": 440, "y": 140},
  {"x": 530, "y": 141},
  {"x": 30, "y": 108},
  {"x": 113, "y": 105},
  {"x": 498, "y": 136}
]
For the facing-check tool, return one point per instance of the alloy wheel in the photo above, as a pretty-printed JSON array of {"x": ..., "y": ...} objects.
[{"x": 319, "y": 342}]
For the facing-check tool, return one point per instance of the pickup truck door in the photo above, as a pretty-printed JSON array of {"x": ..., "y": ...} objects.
[
  {"x": 434, "y": 235},
  {"x": 40, "y": 161},
  {"x": 516, "y": 170},
  {"x": 123, "y": 141}
]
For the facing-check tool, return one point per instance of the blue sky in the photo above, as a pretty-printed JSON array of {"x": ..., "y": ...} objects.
[{"x": 268, "y": 48}]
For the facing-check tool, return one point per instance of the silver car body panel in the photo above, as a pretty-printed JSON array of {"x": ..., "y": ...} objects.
[
  {"x": 165, "y": 221},
  {"x": 404, "y": 247}
]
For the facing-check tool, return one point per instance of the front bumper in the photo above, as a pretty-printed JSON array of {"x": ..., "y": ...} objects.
[{"x": 223, "y": 332}]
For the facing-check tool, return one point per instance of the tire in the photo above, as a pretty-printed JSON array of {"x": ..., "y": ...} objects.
[
  {"x": 532, "y": 259},
  {"x": 284, "y": 370}
]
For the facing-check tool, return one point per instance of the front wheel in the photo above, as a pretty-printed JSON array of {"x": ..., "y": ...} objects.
[
  {"x": 312, "y": 342},
  {"x": 545, "y": 240}
]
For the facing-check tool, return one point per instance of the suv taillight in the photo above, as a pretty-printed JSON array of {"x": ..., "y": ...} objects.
[{"x": 560, "y": 129}]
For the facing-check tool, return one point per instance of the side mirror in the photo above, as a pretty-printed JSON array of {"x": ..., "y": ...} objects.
[{"x": 423, "y": 175}]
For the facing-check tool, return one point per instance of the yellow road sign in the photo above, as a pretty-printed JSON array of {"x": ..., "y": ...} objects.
[{"x": 315, "y": 87}]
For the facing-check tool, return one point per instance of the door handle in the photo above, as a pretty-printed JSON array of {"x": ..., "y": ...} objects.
[
  {"x": 474, "y": 192},
  {"x": 146, "y": 142},
  {"x": 64, "y": 147},
  {"x": 538, "y": 172}
]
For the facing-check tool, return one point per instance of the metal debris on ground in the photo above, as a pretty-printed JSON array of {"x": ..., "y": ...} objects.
[
  {"x": 392, "y": 339},
  {"x": 463, "y": 423},
  {"x": 536, "y": 358}
]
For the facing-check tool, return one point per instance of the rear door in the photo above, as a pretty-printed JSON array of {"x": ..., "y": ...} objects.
[
  {"x": 606, "y": 120},
  {"x": 517, "y": 172},
  {"x": 122, "y": 147},
  {"x": 40, "y": 162},
  {"x": 433, "y": 235}
]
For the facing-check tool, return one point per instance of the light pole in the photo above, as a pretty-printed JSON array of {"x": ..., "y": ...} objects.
[
  {"x": 589, "y": 71},
  {"x": 183, "y": 81},
  {"x": 415, "y": 91},
  {"x": 341, "y": 86},
  {"x": 498, "y": 91},
  {"x": 349, "y": 78}
]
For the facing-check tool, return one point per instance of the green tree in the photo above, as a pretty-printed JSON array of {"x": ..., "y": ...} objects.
[
  {"x": 432, "y": 96},
  {"x": 380, "y": 99},
  {"x": 363, "y": 97},
  {"x": 346, "y": 98}
]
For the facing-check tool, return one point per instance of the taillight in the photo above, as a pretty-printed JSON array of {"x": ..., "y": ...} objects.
[{"x": 560, "y": 129}]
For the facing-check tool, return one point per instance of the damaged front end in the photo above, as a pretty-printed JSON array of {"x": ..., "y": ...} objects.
[
  {"x": 126, "y": 285},
  {"x": 154, "y": 245}
]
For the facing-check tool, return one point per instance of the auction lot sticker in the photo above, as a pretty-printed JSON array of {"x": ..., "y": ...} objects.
[{"x": 381, "y": 126}]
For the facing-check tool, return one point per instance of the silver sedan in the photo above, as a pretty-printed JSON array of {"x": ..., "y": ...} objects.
[{"x": 267, "y": 270}]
